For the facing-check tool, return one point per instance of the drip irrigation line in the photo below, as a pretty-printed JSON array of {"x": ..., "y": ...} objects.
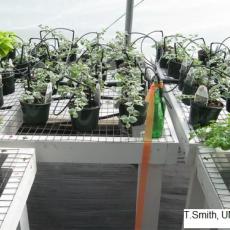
[
  {"x": 171, "y": 89},
  {"x": 120, "y": 17}
]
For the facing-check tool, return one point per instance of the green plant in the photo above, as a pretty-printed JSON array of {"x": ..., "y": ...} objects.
[
  {"x": 6, "y": 66},
  {"x": 214, "y": 95},
  {"x": 132, "y": 94},
  {"x": 81, "y": 88},
  {"x": 36, "y": 90},
  {"x": 7, "y": 43},
  {"x": 119, "y": 51},
  {"x": 66, "y": 46},
  {"x": 215, "y": 135}
]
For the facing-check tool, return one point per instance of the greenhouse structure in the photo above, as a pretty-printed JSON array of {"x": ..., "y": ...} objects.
[{"x": 114, "y": 115}]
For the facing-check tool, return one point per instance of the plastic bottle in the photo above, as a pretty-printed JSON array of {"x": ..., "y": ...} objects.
[{"x": 159, "y": 112}]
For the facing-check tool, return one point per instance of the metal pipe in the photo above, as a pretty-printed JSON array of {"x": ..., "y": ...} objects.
[{"x": 129, "y": 20}]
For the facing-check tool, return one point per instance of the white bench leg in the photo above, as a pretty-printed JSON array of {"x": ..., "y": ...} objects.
[
  {"x": 195, "y": 195},
  {"x": 152, "y": 198},
  {"x": 24, "y": 221}
]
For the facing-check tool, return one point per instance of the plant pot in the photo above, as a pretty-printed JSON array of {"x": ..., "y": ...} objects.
[
  {"x": 72, "y": 58},
  {"x": 203, "y": 56},
  {"x": 163, "y": 62},
  {"x": 228, "y": 104},
  {"x": 188, "y": 90},
  {"x": 183, "y": 74},
  {"x": 141, "y": 109},
  {"x": 118, "y": 62},
  {"x": 8, "y": 82},
  {"x": 35, "y": 113},
  {"x": 87, "y": 119},
  {"x": 201, "y": 115},
  {"x": 159, "y": 53},
  {"x": 21, "y": 70},
  {"x": 182, "y": 77},
  {"x": 1, "y": 95},
  {"x": 174, "y": 69}
]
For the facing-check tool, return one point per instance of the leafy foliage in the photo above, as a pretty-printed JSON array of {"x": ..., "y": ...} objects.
[
  {"x": 215, "y": 135},
  {"x": 7, "y": 43}
]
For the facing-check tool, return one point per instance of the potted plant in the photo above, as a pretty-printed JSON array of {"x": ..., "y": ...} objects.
[
  {"x": 35, "y": 108},
  {"x": 84, "y": 104},
  {"x": 197, "y": 75},
  {"x": 8, "y": 81},
  {"x": 67, "y": 49},
  {"x": 121, "y": 54},
  {"x": 24, "y": 62},
  {"x": 7, "y": 43},
  {"x": 205, "y": 108},
  {"x": 132, "y": 105}
]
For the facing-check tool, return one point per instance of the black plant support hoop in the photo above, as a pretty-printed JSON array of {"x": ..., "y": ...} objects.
[
  {"x": 56, "y": 44},
  {"x": 53, "y": 30},
  {"x": 143, "y": 37},
  {"x": 171, "y": 36},
  {"x": 218, "y": 50},
  {"x": 194, "y": 41},
  {"x": 84, "y": 35},
  {"x": 227, "y": 38},
  {"x": 42, "y": 45},
  {"x": 24, "y": 71}
]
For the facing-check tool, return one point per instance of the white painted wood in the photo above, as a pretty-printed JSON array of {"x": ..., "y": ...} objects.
[
  {"x": 195, "y": 196},
  {"x": 18, "y": 202},
  {"x": 89, "y": 152},
  {"x": 152, "y": 198},
  {"x": 24, "y": 221}
]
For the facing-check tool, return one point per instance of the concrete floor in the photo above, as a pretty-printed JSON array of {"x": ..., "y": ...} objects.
[{"x": 99, "y": 197}]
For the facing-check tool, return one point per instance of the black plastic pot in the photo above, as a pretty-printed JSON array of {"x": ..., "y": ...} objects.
[
  {"x": 183, "y": 74},
  {"x": 1, "y": 95},
  {"x": 188, "y": 90},
  {"x": 21, "y": 70},
  {"x": 72, "y": 58},
  {"x": 201, "y": 115},
  {"x": 118, "y": 62},
  {"x": 8, "y": 82},
  {"x": 35, "y": 113},
  {"x": 141, "y": 109},
  {"x": 174, "y": 68},
  {"x": 159, "y": 52},
  {"x": 228, "y": 104},
  {"x": 182, "y": 77},
  {"x": 203, "y": 56},
  {"x": 163, "y": 62},
  {"x": 87, "y": 119}
]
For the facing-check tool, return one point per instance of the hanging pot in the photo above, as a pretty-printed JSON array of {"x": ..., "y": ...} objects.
[
  {"x": 35, "y": 113},
  {"x": 141, "y": 109},
  {"x": 201, "y": 115},
  {"x": 8, "y": 82},
  {"x": 174, "y": 67},
  {"x": 1, "y": 95},
  {"x": 87, "y": 119}
]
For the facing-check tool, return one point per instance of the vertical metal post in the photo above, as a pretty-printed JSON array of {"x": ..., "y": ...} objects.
[{"x": 129, "y": 20}]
